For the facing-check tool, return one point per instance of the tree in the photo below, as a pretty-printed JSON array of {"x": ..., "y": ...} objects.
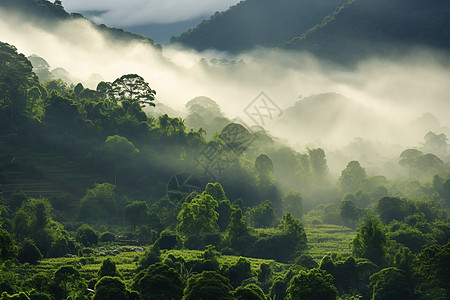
[
  {"x": 238, "y": 272},
  {"x": 314, "y": 284},
  {"x": 352, "y": 177},
  {"x": 159, "y": 281},
  {"x": 151, "y": 256},
  {"x": 216, "y": 191},
  {"x": 136, "y": 213},
  {"x": 87, "y": 236},
  {"x": 118, "y": 151},
  {"x": 350, "y": 213},
  {"x": 133, "y": 88},
  {"x": 264, "y": 167},
  {"x": 293, "y": 229},
  {"x": 208, "y": 285},
  {"x": 238, "y": 234},
  {"x": 199, "y": 216},
  {"x": 370, "y": 241},
  {"x": 98, "y": 202},
  {"x": 249, "y": 292},
  {"x": 432, "y": 264},
  {"x": 318, "y": 162},
  {"x": 391, "y": 208},
  {"x": 110, "y": 288},
  {"x": 69, "y": 278},
  {"x": 390, "y": 283},
  {"x": 8, "y": 249},
  {"x": 16, "y": 77},
  {"x": 262, "y": 215},
  {"x": 293, "y": 203},
  {"x": 108, "y": 268},
  {"x": 29, "y": 253}
]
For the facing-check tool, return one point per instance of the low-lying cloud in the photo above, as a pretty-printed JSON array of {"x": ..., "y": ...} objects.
[
  {"x": 395, "y": 92},
  {"x": 140, "y": 12}
]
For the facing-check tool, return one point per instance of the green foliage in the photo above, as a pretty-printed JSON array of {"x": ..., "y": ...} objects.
[
  {"x": 136, "y": 213},
  {"x": 370, "y": 242},
  {"x": 312, "y": 284},
  {"x": 16, "y": 77},
  {"x": 238, "y": 272},
  {"x": 151, "y": 256},
  {"x": 108, "y": 268},
  {"x": 433, "y": 266},
  {"x": 262, "y": 215},
  {"x": 352, "y": 177},
  {"x": 8, "y": 249},
  {"x": 318, "y": 162},
  {"x": 28, "y": 252},
  {"x": 70, "y": 280},
  {"x": 110, "y": 288},
  {"x": 169, "y": 239},
  {"x": 293, "y": 203},
  {"x": 87, "y": 236},
  {"x": 391, "y": 208},
  {"x": 199, "y": 216},
  {"x": 208, "y": 285},
  {"x": 99, "y": 202},
  {"x": 350, "y": 213},
  {"x": 238, "y": 234},
  {"x": 249, "y": 292},
  {"x": 390, "y": 283},
  {"x": 159, "y": 281},
  {"x": 133, "y": 88}
]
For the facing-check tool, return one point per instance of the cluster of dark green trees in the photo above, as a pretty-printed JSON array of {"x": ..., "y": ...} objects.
[{"x": 76, "y": 162}]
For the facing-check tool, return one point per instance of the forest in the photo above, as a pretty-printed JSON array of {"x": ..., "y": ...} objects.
[{"x": 101, "y": 198}]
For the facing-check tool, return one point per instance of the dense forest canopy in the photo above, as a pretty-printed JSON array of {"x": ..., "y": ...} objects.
[{"x": 106, "y": 192}]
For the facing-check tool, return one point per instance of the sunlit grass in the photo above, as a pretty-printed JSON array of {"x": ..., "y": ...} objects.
[{"x": 323, "y": 239}]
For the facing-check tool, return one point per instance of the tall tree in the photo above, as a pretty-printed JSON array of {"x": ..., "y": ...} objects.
[
  {"x": 199, "y": 216},
  {"x": 133, "y": 88},
  {"x": 370, "y": 241}
]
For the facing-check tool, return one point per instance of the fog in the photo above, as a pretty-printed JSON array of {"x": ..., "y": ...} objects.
[
  {"x": 139, "y": 12},
  {"x": 384, "y": 95}
]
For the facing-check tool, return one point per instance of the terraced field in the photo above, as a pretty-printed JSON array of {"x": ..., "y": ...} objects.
[{"x": 323, "y": 239}]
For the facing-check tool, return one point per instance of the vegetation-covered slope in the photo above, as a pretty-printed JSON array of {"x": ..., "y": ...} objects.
[
  {"x": 340, "y": 31},
  {"x": 254, "y": 23},
  {"x": 179, "y": 216},
  {"x": 362, "y": 28},
  {"x": 47, "y": 15}
]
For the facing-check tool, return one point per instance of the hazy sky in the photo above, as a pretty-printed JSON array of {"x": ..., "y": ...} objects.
[{"x": 120, "y": 13}]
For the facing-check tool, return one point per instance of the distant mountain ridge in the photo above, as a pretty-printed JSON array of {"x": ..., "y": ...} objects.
[
  {"x": 46, "y": 14},
  {"x": 342, "y": 31},
  {"x": 362, "y": 28},
  {"x": 253, "y": 23}
]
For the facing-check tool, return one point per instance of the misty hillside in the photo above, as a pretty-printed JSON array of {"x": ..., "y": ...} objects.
[
  {"x": 336, "y": 30},
  {"x": 364, "y": 27},
  {"x": 253, "y": 23},
  {"x": 47, "y": 15},
  {"x": 330, "y": 117}
]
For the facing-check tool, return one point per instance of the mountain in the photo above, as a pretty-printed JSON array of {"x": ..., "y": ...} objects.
[
  {"x": 362, "y": 28},
  {"x": 342, "y": 31},
  {"x": 47, "y": 15},
  {"x": 253, "y": 23}
]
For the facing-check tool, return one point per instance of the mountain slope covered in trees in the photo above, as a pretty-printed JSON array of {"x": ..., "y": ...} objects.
[
  {"x": 253, "y": 23},
  {"x": 362, "y": 28},
  {"x": 341, "y": 31},
  {"x": 47, "y": 15}
]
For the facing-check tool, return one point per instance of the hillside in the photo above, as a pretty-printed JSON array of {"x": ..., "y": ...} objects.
[
  {"x": 341, "y": 31},
  {"x": 326, "y": 117},
  {"x": 47, "y": 15},
  {"x": 254, "y": 23},
  {"x": 362, "y": 28}
]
